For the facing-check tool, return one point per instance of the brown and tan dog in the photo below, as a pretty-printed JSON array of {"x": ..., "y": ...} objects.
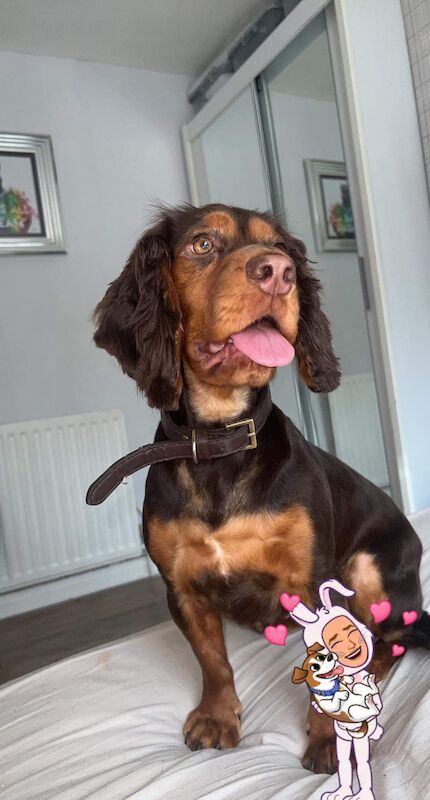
[{"x": 230, "y": 534}]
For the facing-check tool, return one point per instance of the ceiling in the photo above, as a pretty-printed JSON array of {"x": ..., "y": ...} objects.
[{"x": 179, "y": 36}]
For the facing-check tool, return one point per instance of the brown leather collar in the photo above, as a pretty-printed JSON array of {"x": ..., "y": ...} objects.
[{"x": 200, "y": 444}]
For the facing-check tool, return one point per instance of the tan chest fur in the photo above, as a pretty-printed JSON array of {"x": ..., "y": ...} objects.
[{"x": 278, "y": 544}]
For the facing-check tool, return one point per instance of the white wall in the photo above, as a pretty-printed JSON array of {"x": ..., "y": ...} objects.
[
  {"x": 117, "y": 146},
  {"x": 396, "y": 216}
]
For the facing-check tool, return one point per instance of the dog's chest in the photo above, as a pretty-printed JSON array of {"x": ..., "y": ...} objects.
[
  {"x": 216, "y": 492},
  {"x": 241, "y": 566}
]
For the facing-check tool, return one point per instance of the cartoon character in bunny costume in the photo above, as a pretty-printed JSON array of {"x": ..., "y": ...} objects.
[{"x": 339, "y": 649}]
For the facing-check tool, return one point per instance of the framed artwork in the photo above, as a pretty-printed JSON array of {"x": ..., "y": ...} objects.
[
  {"x": 330, "y": 205},
  {"x": 30, "y": 218}
]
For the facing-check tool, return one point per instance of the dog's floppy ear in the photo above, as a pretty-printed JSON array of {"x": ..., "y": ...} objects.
[
  {"x": 318, "y": 364},
  {"x": 299, "y": 675},
  {"x": 139, "y": 319},
  {"x": 315, "y": 648}
]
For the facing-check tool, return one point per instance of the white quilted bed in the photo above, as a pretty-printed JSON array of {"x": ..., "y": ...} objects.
[{"x": 106, "y": 724}]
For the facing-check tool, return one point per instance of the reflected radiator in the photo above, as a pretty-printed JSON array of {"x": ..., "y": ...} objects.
[
  {"x": 356, "y": 427},
  {"x": 46, "y": 529}
]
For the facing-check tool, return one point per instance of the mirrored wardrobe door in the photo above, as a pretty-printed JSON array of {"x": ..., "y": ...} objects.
[
  {"x": 230, "y": 167},
  {"x": 307, "y": 166}
]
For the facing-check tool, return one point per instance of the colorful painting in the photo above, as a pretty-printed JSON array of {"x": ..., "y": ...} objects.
[
  {"x": 337, "y": 205},
  {"x": 30, "y": 220},
  {"x": 20, "y": 212},
  {"x": 330, "y": 203}
]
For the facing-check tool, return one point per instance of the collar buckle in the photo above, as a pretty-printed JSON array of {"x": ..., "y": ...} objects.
[
  {"x": 252, "y": 433},
  {"x": 252, "y": 436}
]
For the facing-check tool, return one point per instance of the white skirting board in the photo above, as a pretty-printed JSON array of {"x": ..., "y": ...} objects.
[
  {"x": 46, "y": 529},
  {"x": 83, "y": 583}
]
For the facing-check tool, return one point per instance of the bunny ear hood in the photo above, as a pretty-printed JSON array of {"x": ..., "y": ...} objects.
[
  {"x": 303, "y": 615},
  {"x": 314, "y": 622},
  {"x": 338, "y": 587}
]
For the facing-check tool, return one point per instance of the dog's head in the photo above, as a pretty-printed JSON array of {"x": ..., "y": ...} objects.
[
  {"x": 203, "y": 286},
  {"x": 318, "y": 666}
]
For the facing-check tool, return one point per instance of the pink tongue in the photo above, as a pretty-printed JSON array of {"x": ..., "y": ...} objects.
[
  {"x": 264, "y": 345},
  {"x": 336, "y": 671}
]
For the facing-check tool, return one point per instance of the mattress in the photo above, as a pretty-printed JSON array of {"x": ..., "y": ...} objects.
[{"x": 106, "y": 724}]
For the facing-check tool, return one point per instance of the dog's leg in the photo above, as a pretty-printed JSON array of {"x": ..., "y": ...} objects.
[
  {"x": 360, "y": 713},
  {"x": 216, "y": 720},
  {"x": 320, "y": 754},
  {"x": 332, "y": 705},
  {"x": 382, "y": 660},
  {"x": 371, "y": 683}
]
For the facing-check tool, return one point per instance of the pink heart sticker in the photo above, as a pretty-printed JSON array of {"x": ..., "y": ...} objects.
[
  {"x": 276, "y": 634},
  {"x": 397, "y": 649},
  {"x": 409, "y": 617},
  {"x": 380, "y": 611},
  {"x": 289, "y": 601}
]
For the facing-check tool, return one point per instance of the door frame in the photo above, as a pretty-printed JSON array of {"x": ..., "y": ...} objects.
[
  {"x": 368, "y": 261},
  {"x": 245, "y": 76}
]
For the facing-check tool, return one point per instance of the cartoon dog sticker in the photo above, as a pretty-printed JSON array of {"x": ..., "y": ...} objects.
[
  {"x": 332, "y": 695},
  {"x": 339, "y": 647}
]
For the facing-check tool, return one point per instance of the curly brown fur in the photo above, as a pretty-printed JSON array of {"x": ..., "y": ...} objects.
[{"x": 139, "y": 320}]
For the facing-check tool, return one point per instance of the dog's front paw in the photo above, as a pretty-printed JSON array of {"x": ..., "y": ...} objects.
[
  {"x": 320, "y": 756},
  {"x": 214, "y": 727}
]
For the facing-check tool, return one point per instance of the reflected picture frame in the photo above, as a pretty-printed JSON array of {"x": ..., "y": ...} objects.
[
  {"x": 30, "y": 213},
  {"x": 330, "y": 205}
]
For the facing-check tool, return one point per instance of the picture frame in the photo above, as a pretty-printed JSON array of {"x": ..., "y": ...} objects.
[
  {"x": 30, "y": 214},
  {"x": 330, "y": 205}
]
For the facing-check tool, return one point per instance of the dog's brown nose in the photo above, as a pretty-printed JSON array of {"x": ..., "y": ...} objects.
[{"x": 274, "y": 272}]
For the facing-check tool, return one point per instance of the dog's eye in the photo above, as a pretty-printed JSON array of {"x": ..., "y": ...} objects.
[
  {"x": 202, "y": 246},
  {"x": 281, "y": 246},
  {"x": 314, "y": 667},
  {"x": 320, "y": 658}
]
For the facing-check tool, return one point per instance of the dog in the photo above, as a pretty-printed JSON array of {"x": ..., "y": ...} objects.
[
  {"x": 209, "y": 303},
  {"x": 345, "y": 703}
]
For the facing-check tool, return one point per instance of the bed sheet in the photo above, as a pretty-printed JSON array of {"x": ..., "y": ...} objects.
[{"x": 106, "y": 724}]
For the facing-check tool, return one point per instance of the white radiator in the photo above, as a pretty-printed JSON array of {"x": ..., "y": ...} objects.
[
  {"x": 46, "y": 529},
  {"x": 356, "y": 427}
]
